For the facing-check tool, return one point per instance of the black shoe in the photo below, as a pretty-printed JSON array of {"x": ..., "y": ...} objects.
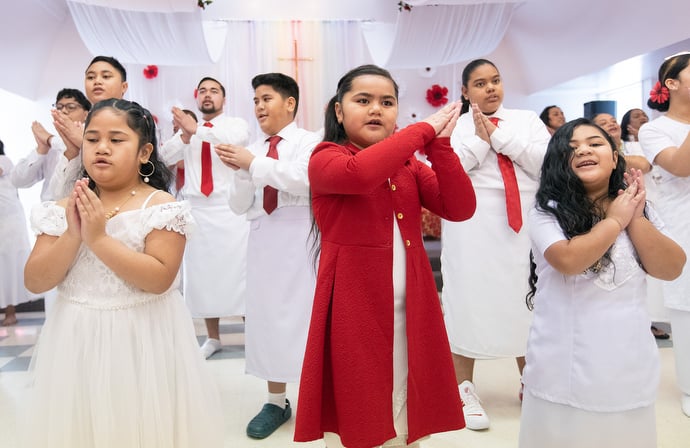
[
  {"x": 659, "y": 334},
  {"x": 268, "y": 420}
]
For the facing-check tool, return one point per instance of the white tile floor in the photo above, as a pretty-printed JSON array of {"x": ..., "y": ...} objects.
[{"x": 243, "y": 395}]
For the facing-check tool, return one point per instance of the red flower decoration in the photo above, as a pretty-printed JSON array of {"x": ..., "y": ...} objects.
[
  {"x": 151, "y": 71},
  {"x": 196, "y": 93},
  {"x": 437, "y": 95},
  {"x": 658, "y": 94}
]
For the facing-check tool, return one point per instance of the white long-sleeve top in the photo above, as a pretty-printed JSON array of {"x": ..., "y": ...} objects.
[
  {"x": 225, "y": 129},
  {"x": 288, "y": 174},
  {"x": 37, "y": 167},
  {"x": 520, "y": 135}
]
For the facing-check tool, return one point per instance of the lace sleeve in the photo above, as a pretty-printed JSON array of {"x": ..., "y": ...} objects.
[
  {"x": 48, "y": 218},
  {"x": 173, "y": 216}
]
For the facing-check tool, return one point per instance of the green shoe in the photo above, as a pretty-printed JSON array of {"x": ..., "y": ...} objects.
[{"x": 268, "y": 420}]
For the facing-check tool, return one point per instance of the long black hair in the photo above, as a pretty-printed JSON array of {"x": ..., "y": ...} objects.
[
  {"x": 562, "y": 194},
  {"x": 139, "y": 119}
]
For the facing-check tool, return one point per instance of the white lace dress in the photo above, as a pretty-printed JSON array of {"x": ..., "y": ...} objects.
[{"x": 115, "y": 366}]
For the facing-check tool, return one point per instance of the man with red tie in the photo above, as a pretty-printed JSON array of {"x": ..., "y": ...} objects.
[
  {"x": 272, "y": 187},
  {"x": 214, "y": 265}
]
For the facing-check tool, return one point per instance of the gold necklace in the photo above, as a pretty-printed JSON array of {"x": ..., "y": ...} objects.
[{"x": 116, "y": 210}]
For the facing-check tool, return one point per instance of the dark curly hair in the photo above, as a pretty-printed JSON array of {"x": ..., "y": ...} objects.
[{"x": 562, "y": 194}]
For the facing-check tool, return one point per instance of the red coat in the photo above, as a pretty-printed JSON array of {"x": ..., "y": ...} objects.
[{"x": 347, "y": 376}]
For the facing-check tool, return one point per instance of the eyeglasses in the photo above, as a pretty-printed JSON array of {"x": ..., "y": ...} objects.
[{"x": 71, "y": 107}]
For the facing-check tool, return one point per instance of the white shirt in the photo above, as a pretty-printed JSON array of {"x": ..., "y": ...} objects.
[
  {"x": 589, "y": 345},
  {"x": 66, "y": 172},
  {"x": 673, "y": 194},
  {"x": 37, "y": 167},
  {"x": 288, "y": 174},
  {"x": 225, "y": 130},
  {"x": 520, "y": 135}
]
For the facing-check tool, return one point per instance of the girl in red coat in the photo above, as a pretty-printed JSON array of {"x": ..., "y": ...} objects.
[{"x": 377, "y": 369}]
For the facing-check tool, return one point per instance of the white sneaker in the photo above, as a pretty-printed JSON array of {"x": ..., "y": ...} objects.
[
  {"x": 210, "y": 347},
  {"x": 685, "y": 404},
  {"x": 475, "y": 417}
]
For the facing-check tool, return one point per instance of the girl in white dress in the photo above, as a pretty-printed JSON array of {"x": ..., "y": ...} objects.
[
  {"x": 117, "y": 363},
  {"x": 592, "y": 367}
]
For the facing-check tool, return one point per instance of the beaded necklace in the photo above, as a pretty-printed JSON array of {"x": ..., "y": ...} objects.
[{"x": 116, "y": 210}]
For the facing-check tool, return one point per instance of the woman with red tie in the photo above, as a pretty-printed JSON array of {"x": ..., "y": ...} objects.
[{"x": 485, "y": 260}]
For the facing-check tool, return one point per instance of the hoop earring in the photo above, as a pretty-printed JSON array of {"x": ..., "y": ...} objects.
[{"x": 146, "y": 176}]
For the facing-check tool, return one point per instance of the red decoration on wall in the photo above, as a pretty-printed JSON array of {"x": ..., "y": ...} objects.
[
  {"x": 151, "y": 71},
  {"x": 196, "y": 93},
  {"x": 437, "y": 95}
]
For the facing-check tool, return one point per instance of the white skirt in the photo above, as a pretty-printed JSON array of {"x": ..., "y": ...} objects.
[
  {"x": 280, "y": 292},
  {"x": 14, "y": 251},
  {"x": 544, "y": 424},
  {"x": 485, "y": 268},
  {"x": 215, "y": 262},
  {"x": 121, "y": 378}
]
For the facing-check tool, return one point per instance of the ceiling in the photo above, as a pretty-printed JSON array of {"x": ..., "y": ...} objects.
[{"x": 548, "y": 43}]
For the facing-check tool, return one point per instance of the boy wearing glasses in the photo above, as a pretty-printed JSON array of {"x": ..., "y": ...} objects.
[{"x": 40, "y": 164}]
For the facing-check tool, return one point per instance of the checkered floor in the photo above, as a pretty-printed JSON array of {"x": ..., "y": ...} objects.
[
  {"x": 243, "y": 395},
  {"x": 17, "y": 341}
]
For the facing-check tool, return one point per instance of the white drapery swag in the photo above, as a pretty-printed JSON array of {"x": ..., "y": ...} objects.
[
  {"x": 151, "y": 32},
  {"x": 252, "y": 47},
  {"x": 447, "y": 32}
]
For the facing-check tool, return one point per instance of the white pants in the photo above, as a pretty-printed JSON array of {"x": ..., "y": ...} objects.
[{"x": 680, "y": 329}]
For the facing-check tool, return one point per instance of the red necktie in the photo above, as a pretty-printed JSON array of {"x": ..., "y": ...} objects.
[
  {"x": 270, "y": 193},
  {"x": 513, "y": 206},
  {"x": 206, "y": 166},
  {"x": 179, "y": 178}
]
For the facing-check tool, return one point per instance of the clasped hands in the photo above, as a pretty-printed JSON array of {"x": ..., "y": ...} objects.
[{"x": 630, "y": 202}]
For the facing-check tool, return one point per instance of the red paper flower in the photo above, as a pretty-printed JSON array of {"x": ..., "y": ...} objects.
[
  {"x": 151, "y": 71},
  {"x": 659, "y": 94},
  {"x": 437, "y": 95}
]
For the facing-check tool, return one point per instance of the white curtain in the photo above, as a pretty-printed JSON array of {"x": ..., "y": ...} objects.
[
  {"x": 252, "y": 47},
  {"x": 145, "y": 5},
  {"x": 430, "y": 36},
  {"x": 146, "y": 37},
  {"x": 450, "y": 2}
]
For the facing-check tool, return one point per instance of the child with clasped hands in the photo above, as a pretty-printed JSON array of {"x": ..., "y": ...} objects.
[
  {"x": 117, "y": 362},
  {"x": 376, "y": 337},
  {"x": 591, "y": 359}
]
